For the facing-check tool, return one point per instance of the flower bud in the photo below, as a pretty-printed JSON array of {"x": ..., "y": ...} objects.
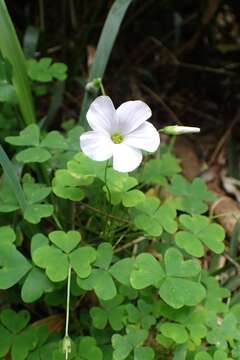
[
  {"x": 179, "y": 130},
  {"x": 66, "y": 346}
]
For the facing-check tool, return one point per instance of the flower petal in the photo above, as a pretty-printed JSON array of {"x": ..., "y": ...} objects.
[
  {"x": 96, "y": 145},
  {"x": 131, "y": 115},
  {"x": 145, "y": 137},
  {"x": 101, "y": 115},
  {"x": 126, "y": 158}
]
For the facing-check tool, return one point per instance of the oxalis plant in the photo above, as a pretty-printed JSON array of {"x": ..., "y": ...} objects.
[{"x": 97, "y": 263}]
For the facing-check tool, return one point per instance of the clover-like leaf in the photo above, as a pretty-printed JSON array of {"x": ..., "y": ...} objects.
[
  {"x": 13, "y": 265},
  {"x": 176, "y": 266},
  {"x": 68, "y": 186},
  {"x": 7, "y": 235},
  {"x": 32, "y": 155},
  {"x": 35, "y": 192},
  {"x": 104, "y": 256},
  {"x": 198, "y": 232},
  {"x": 176, "y": 290},
  {"x": 81, "y": 260},
  {"x": 156, "y": 171},
  {"x": 144, "y": 353},
  {"x": 147, "y": 271},
  {"x": 122, "y": 269},
  {"x": 66, "y": 241},
  {"x": 35, "y": 212},
  {"x": 176, "y": 332},
  {"x": 88, "y": 349},
  {"x": 193, "y": 196},
  {"x": 101, "y": 282},
  {"x": 152, "y": 217},
  {"x": 20, "y": 339},
  {"x": 27, "y": 137},
  {"x": 54, "y": 140},
  {"x": 49, "y": 258},
  {"x": 35, "y": 284}
]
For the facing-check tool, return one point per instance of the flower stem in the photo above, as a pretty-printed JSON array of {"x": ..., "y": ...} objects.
[
  {"x": 67, "y": 340},
  {"x": 102, "y": 88},
  {"x": 105, "y": 181}
]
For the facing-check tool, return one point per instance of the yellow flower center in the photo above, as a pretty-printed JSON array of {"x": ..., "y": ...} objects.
[{"x": 117, "y": 138}]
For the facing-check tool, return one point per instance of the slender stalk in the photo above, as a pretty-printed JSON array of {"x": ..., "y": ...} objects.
[{"x": 67, "y": 340}]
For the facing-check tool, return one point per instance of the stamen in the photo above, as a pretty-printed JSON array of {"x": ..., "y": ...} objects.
[{"x": 117, "y": 138}]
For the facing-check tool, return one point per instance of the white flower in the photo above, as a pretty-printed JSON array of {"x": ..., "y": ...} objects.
[{"x": 119, "y": 133}]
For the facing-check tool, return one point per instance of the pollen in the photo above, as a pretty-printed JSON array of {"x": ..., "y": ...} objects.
[{"x": 117, "y": 138}]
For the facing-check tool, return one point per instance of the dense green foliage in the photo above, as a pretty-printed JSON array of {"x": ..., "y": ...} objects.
[{"x": 121, "y": 255}]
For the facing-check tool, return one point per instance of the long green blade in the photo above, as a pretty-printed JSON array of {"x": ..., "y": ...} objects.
[
  {"x": 105, "y": 44},
  {"x": 10, "y": 48},
  {"x": 12, "y": 179}
]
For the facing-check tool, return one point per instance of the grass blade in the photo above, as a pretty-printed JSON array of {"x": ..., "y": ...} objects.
[
  {"x": 105, "y": 44},
  {"x": 12, "y": 179},
  {"x": 10, "y": 48}
]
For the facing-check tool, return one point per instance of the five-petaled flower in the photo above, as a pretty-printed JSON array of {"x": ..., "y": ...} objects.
[{"x": 120, "y": 133}]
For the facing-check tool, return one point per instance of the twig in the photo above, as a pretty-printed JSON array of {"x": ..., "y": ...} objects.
[
  {"x": 100, "y": 212},
  {"x": 130, "y": 244},
  {"x": 224, "y": 138}
]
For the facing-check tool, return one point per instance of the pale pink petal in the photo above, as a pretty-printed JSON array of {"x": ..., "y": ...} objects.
[
  {"x": 102, "y": 115},
  {"x": 126, "y": 158},
  {"x": 145, "y": 137},
  {"x": 131, "y": 115},
  {"x": 96, "y": 145}
]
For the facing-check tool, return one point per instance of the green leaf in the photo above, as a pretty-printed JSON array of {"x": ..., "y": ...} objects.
[
  {"x": 104, "y": 47},
  {"x": 44, "y": 71},
  {"x": 15, "y": 322},
  {"x": 152, "y": 218},
  {"x": 122, "y": 347},
  {"x": 35, "y": 192},
  {"x": 27, "y": 137},
  {"x": 122, "y": 269},
  {"x": 8, "y": 94},
  {"x": 147, "y": 271},
  {"x": 13, "y": 266},
  {"x": 22, "y": 345},
  {"x": 99, "y": 317},
  {"x": 66, "y": 241},
  {"x": 193, "y": 196},
  {"x": 81, "y": 260},
  {"x": 35, "y": 284},
  {"x": 35, "y": 212},
  {"x": 49, "y": 258},
  {"x": 88, "y": 350},
  {"x": 132, "y": 198},
  {"x": 203, "y": 355},
  {"x": 175, "y": 290},
  {"x": 176, "y": 332},
  {"x": 144, "y": 353},
  {"x": 32, "y": 155},
  {"x": 68, "y": 186},
  {"x": 12, "y": 183},
  {"x": 176, "y": 266},
  {"x": 54, "y": 140},
  {"x": 199, "y": 231},
  {"x": 102, "y": 283},
  {"x": 156, "y": 171},
  {"x": 59, "y": 71},
  {"x": 186, "y": 292},
  {"x": 5, "y": 341},
  {"x": 104, "y": 256},
  {"x": 10, "y": 49},
  {"x": 7, "y": 235}
]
